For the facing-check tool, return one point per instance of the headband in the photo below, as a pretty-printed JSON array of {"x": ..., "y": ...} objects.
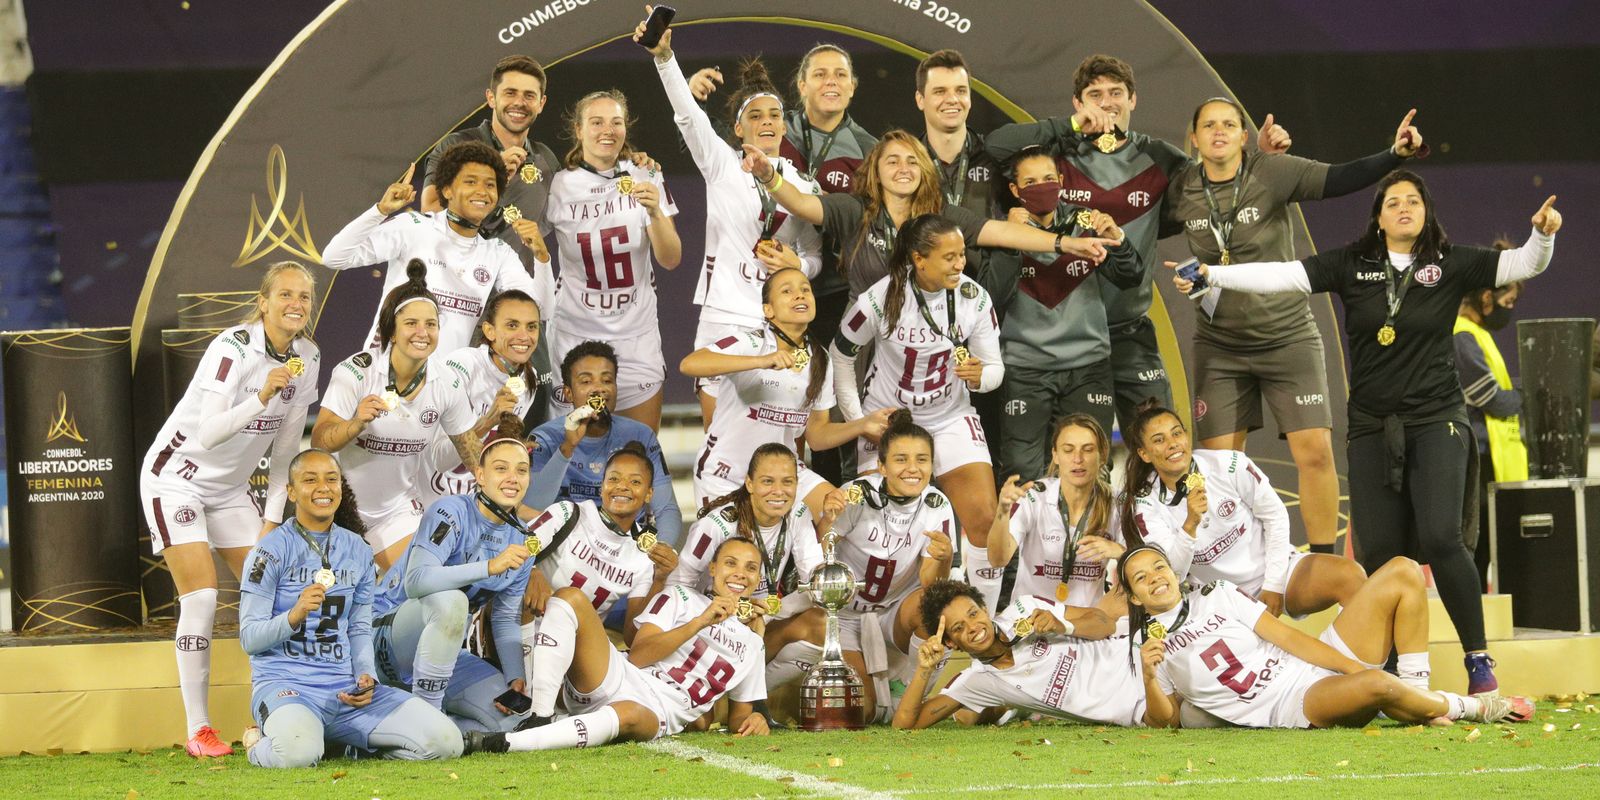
[
  {"x": 752, "y": 97},
  {"x": 416, "y": 298}
]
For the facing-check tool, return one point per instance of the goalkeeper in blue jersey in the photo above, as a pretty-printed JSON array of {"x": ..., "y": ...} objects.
[{"x": 305, "y": 620}]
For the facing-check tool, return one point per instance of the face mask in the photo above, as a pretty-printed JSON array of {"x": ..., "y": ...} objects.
[
  {"x": 1497, "y": 318},
  {"x": 1040, "y": 198}
]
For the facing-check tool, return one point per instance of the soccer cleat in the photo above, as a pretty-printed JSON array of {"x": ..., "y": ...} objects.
[
  {"x": 205, "y": 744},
  {"x": 533, "y": 721},
  {"x": 484, "y": 742},
  {"x": 1511, "y": 708},
  {"x": 1480, "y": 674},
  {"x": 250, "y": 737}
]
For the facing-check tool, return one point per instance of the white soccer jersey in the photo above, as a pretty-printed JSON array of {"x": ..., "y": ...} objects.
[
  {"x": 605, "y": 564},
  {"x": 1216, "y": 661},
  {"x": 1244, "y": 538},
  {"x": 463, "y": 271},
  {"x": 1060, "y": 676},
  {"x": 725, "y": 658},
  {"x": 234, "y": 367},
  {"x": 729, "y": 288},
  {"x": 913, "y": 366},
  {"x": 801, "y": 553},
  {"x": 1042, "y": 537},
  {"x": 483, "y": 381},
  {"x": 884, "y": 546},
  {"x": 606, "y": 288},
  {"x": 757, "y": 407},
  {"x": 383, "y": 464}
]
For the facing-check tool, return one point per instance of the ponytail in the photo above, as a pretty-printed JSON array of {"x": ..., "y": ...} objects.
[{"x": 917, "y": 237}]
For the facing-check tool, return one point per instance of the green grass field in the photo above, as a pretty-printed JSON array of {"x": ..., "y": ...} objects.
[{"x": 1559, "y": 754}]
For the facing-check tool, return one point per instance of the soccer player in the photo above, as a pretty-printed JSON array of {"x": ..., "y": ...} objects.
[
  {"x": 1223, "y": 652},
  {"x": 691, "y": 650},
  {"x": 934, "y": 341},
  {"x": 471, "y": 555},
  {"x": 895, "y": 535},
  {"x": 747, "y": 237},
  {"x": 381, "y": 411},
  {"x": 465, "y": 263},
  {"x": 607, "y": 549},
  {"x": 1400, "y": 285},
  {"x": 611, "y": 217},
  {"x": 1037, "y": 655},
  {"x": 305, "y": 619},
  {"x": 1054, "y": 335},
  {"x": 250, "y": 393},
  {"x": 1061, "y": 524},
  {"x": 1242, "y": 538},
  {"x": 500, "y": 379},
  {"x": 1233, "y": 207},
  {"x": 777, "y": 388},
  {"x": 569, "y": 454}
]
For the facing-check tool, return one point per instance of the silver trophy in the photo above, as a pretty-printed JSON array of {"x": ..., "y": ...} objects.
[{"x": 832, "y": 697}]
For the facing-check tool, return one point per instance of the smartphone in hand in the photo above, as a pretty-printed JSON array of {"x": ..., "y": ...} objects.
[
  {"x": 1190, "y": 271},
  {"x": 518, "y": 702},
  {"x": 660, "y": 19}
]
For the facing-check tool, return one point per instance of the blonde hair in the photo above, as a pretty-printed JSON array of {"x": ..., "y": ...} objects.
[
  {"x": 269, "y": 278},
  {"x": 574, "y": 156}
]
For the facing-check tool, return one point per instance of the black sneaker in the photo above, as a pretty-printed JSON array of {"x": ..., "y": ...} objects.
[
  {"x": 484, "y": 742},
  {"x": 533, "y": 721}
]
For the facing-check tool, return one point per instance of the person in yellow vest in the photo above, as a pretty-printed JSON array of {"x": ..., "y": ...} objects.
[{"x": 1493, "y": 403}]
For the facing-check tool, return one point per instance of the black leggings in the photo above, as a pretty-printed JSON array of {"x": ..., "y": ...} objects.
[{"x": 1423, "y": 520}]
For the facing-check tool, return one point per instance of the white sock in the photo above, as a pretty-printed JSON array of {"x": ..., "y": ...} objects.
[
  {"x": 550, "y": 646},
  {"x": 196, "y": 612},
  {"x": 588, "y": 730},
  {"x": 1414, "y": 669},
  {"x": 982, "y": 575},
  {"x": 792, "y": 663},
  {"x": 1463, "y": 706}
]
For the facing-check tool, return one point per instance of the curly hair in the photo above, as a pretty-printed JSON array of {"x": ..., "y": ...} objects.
[
  {"x": 460, "y": 155},
  {"x": 938, "y": 596}
]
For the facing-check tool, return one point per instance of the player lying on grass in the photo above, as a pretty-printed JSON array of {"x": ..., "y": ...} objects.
[
  {"x": 1037, "y": 655},
  {"x": 305, "y": 619},
  {"x": 1222, "y": 651},
  {"x": 690, "y": 650}
]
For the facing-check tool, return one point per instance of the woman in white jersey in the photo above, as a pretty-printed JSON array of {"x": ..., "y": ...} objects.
[
  {"x": 1239, "y": 529},
  {"x": 251, "y": 392},
  {"x": 894, "y": 534},
  {"x": 935, "y": 340},
  {"x": 465, "y": 260},
  {"x": 499, "y": 380},
  {"x": 382, "y": 409},
  {"x": 778, "y": 387},
  {"x": 1222, "y": 651},
  {"x": 747, "y": 235},
  {"x": 608, "y": 551},
  {"x": 1062, "y": 523},
  {"x": 611, "y": 217}
]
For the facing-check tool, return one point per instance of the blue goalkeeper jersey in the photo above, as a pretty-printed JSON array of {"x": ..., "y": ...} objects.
[
  {"x": 458, "y": 538},
  {"x": 335, "y": 640}
]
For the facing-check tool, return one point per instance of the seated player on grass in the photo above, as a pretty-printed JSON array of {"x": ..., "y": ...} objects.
[
  {"x": 469, "y": 554},
  {"x": 691, "y": 649},
  {"x": 1221, "y": 650},
  {"x": 305, "y": 620},
  {"x": 1037, "y": 655}
]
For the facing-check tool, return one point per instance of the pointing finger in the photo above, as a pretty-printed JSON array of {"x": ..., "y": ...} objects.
[
  {"x": 938, "y": 636},
  {"x": 410, "y": 170},
  {"x": 1266, "y": 124},
  {"x": 1405, "y": 123},
  {"x": 1547, "y": 204}
]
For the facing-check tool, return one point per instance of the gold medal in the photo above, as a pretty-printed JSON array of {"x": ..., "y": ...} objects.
[
  {"x": 324, "y": 578},
  {"x": 801, "y": 358},
  {"x": 516, "y": 385},
  {"x": 1106, "y": 141},
  {"x": 533, "y": 544},
  {"x": 1061, "y": 591},
  {"x": 745, "y": 610},
  {"x": 597, "y": 402},
  {"x": 1023, "y": 627},
  {"x": 625, "y": 184},
  {"x": 774, "y": 604},
  {"x": 646, "y": 541},
  {"x": 1227, "y": 257},
  {"x": 529, "y": 173},
  {"x": 1086, "y": 219},
  {"x": 1386, "y": 335},
  {"x": 391, "y": 399},
  {"x": 511, "y": 214},
  {"x": 296, "y": 366},
  {"x": 767, "y": 242},
  {"x": 1194, "y": 481},
  {"x": 1155, "y": 630},
  {"x": 855, "y": 494},
  {"x": 962, "y": 354}
]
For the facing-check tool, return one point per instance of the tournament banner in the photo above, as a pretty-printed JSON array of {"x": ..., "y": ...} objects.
[
  {"x": 73, "y": 480},
  {"x": 213, "y": 310}
]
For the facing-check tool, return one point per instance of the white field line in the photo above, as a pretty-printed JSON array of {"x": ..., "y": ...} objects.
[
  {"x": 1176, "y": 782},
  {"x": 802, "y": 781}
]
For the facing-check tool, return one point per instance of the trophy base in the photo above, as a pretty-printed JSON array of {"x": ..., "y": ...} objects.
[{"x": 832, "y": 698}]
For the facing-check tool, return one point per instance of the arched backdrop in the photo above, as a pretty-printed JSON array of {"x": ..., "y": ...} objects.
[{"x": 369, "y": 85}]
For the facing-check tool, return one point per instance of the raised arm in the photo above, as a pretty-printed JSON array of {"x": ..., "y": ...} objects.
[
  {"x": 805, "y": 206},
  {"x": 355, "y": 245}
]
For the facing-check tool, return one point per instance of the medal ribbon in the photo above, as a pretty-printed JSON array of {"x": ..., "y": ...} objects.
[
  {"x": 779, "y": 555},
  {"x": 1182, "y": 490},
  {"x": 281, "y": 358},
  {"x": 416, "y": 380},
  {"x": 954, "y": 185},
  {"x": 1222, "y": 229},
  {"x": 499, "y": 513},
  {"x": 1183, "y": 616},
  {"x": 889, "y": 231},
  {"x": 311, "y": 543},
  {"x": 804, "y": 344},
  {"x": 950, "y": 313},
  {"x": 814, "y": 163},
  {"x": 1395, "y": 295},
  {"x": 618, "y": 173},
  {"x": 1069, "y": 551},
  {"x": 769, "y": 211}
]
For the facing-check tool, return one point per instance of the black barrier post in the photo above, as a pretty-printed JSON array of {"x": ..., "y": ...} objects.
[
  {"x": 1553, "y": 359},
  {"x": 73, "y": 484}
]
